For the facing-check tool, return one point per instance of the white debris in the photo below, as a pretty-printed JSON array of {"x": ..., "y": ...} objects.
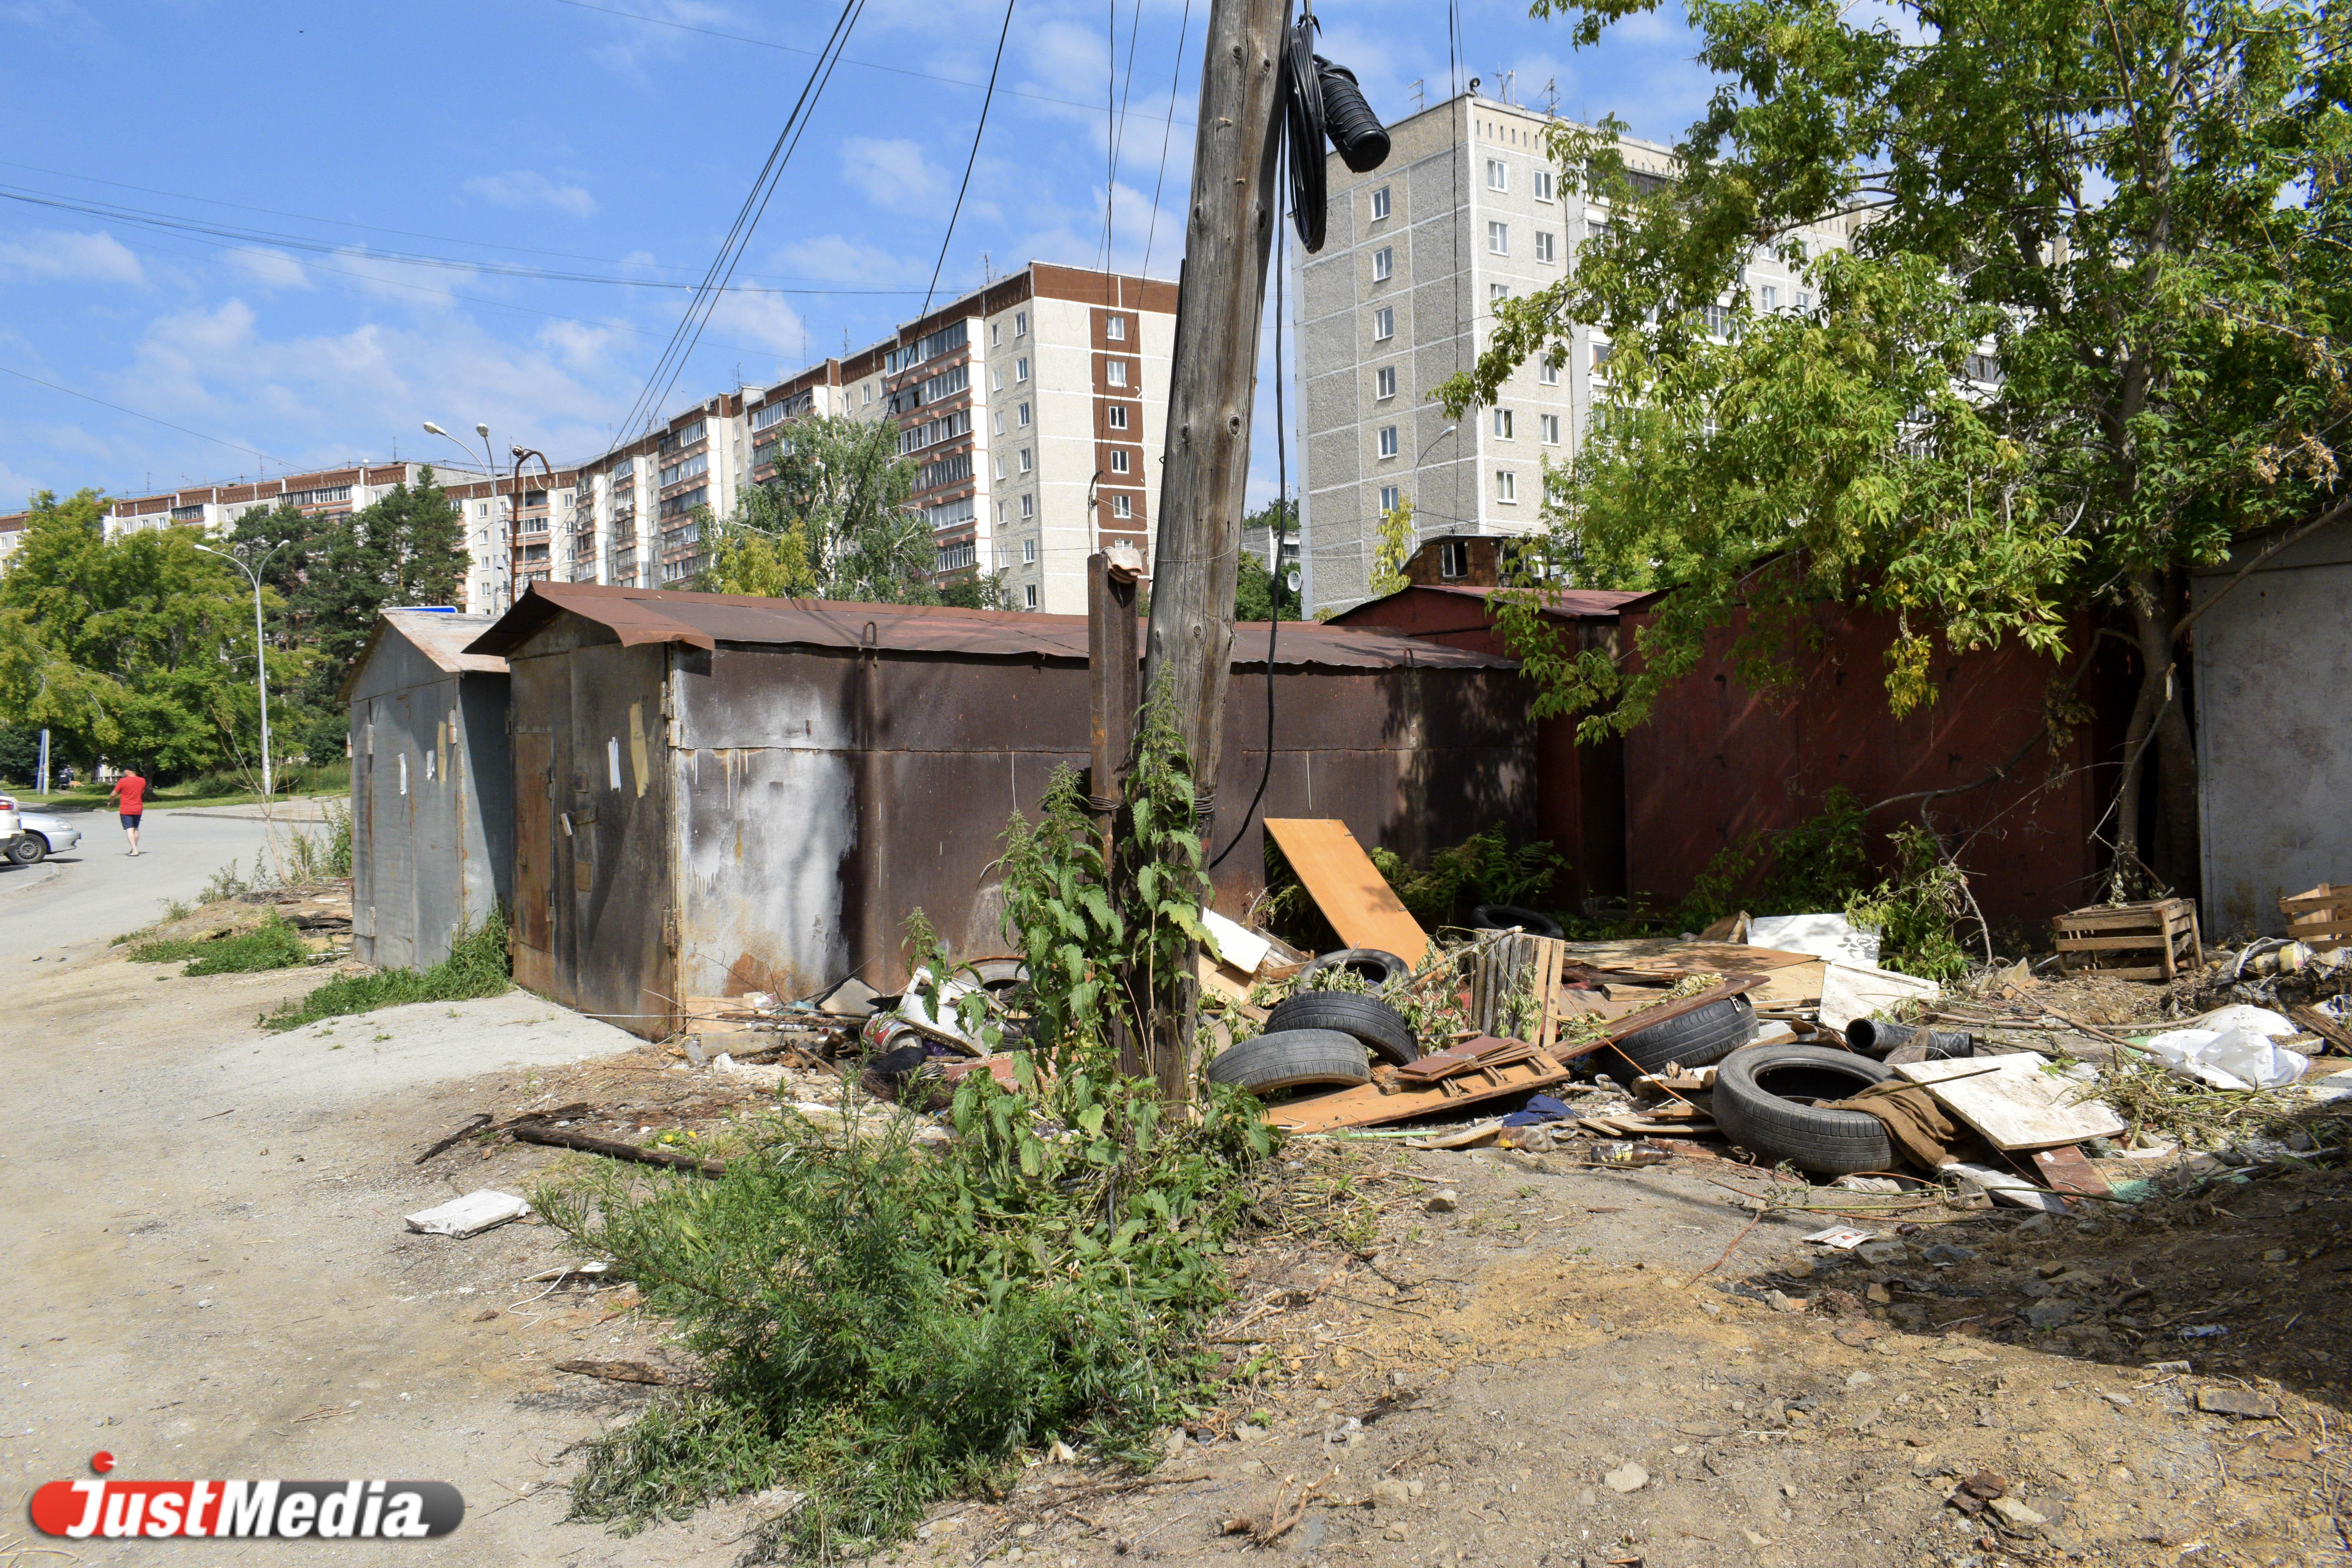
[
  {"x": 469, "y": 1215},
  {"x": 1831, "y": 936}
]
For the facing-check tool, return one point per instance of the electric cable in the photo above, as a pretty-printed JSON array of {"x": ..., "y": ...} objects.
[
  {"x": 1175, "y": 81},
  {"x": 1302, "y": 123},
  {"x": 1117, "y": 127},
  {"x": 953, "y": 213}
]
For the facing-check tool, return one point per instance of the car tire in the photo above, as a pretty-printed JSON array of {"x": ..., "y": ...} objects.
[
  {"x": 29, "y": 849},
  {"x": 1702, "y": 1036},
  {"x": 1765, "y": 1101},
  {"x": 1382, "y": 969},
  {"x": 1371, "y": 1020},
  {"x": 1294, "y": 1058},
  {"x": 1503, "y": 917}
]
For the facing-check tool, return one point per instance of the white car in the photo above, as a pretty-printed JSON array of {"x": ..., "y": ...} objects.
[
  {"x": 11, "y": 830},
  {"x": 41, "y": 835}
]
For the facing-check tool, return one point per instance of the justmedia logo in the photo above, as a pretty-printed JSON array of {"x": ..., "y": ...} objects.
[{"x": 321, "y": 1510}]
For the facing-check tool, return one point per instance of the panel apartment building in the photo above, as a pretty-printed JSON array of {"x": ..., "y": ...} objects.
[
  {"x": 1466, "y": 212},
  {"x": 1036, "y": 410}
]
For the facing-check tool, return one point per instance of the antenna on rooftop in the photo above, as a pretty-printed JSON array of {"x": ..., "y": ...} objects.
[
  {"x": 1551, "y": 97},
  {"x": 1420, "y": 90}
]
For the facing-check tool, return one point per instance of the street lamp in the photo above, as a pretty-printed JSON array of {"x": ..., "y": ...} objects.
[
  {"x": 261, "y": 663},
  {"x": 490, "y": 472},
  {"x": 514, "y": 515}
]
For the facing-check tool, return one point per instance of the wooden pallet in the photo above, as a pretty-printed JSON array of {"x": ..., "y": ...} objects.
[
  {"x": 2321, "y": 919},
  {"x": 2165, "y": 930}
]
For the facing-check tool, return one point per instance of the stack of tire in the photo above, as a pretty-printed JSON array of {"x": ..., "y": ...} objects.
[{"x": 1323, "y": 1040}]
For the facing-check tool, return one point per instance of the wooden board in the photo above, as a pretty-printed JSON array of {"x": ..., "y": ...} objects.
[
  {"x": 1351, "y": 893},
  {"x": 2067, "y": 1171},
  {"x": 1366, "y": 1106},
  {"x": 2321, "y": 919},
  {"x": 1665, "y": 953},
  {"x": 1848, "y": 993},
  {"x": 1797, "y": 984},
  {"x": 2013, "y": 1102}
]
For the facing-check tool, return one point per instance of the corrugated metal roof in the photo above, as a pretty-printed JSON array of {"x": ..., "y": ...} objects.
[
  {"x": 1577, "y": 604},
  {"x": 705, "y": 620}
]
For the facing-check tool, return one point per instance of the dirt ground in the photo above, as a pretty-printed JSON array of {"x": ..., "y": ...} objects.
[{"x": 1561, "y": 1365}]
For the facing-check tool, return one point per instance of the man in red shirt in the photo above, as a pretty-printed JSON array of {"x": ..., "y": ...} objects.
[{"x": 130, "y": 795}]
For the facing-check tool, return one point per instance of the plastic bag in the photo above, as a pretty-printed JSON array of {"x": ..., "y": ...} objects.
[
  {"x": 2229, "y": 1058},
  {"x": 2253, "y": 1020}
]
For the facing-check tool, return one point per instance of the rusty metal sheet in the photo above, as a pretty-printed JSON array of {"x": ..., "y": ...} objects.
[
  {"x": 1351, "y": 893},
  {"x": 639, "y": 616}
]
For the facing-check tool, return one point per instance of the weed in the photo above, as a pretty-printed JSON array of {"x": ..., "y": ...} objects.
[
  {"x": 1481, "y": 870},
  {"x": 477, "y": 967},
  {"x": 269, "y": 945},
  {"x": 226, "y": 883}
]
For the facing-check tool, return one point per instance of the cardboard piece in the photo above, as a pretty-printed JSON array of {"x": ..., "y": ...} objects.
[
  {"x": 1235, "y": 943},
  {"x": 1345, "y": 885},
  {"x": 1848, "y": 992},
  {"x": 2013, "y": 1102}
]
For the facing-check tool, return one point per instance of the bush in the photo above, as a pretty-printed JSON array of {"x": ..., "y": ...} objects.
[
  {"x": 882, "y": 1327},
  {"x": 269, "y": 945},
  {"x": 477, "y": 967}
]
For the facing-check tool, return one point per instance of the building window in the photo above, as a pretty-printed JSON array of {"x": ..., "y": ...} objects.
[
  {"x": 1548, "y": 370},
  {"x": 1380, "y": 204},
  {"x": 999, "y": 466},
  {"x": 1025, "y": 464},
  {"x": 1021, "y": 369},
  {"x": 1503, "y": 425},
  {"x": 1506, "y": 487},
  {"x": 1548, "y": 425},
  {"x": 1718, "y": 320},
  {"x": 1029, "y": 596},
  {"x": 1383, "y": 264},
  {"x": 1028, "y": 507},
  {"x": 1384, "y": 323},
  {"x": 1767, "y": 298},
  {"x": 1115, "y": 330},
  {"x": 1385, "y": 381},
  {"x": 1122, "y": 505},
  {"x": 1116, "y": 417},
  {"x": 1543, "y": 185},
  {"x": 1119, "y": 459},
  {"x": 1498, "y": 292},
  {"x": 1390, "y": 499},
  {"x": 1453, "y": 558},
  {"x": 1804, "y": 301},
  {"x": 1600, "y": 348},
  {"x": 1499, "y": 238},
  {"x": 1020, "y": 323},
  {"x": 1029, "y": 551},
  {"x": 1115, "y": 373},
  {"x": 995, "y": 333},
  {"x": 869, "y": 392},
  {"x": 1498, "y": 176},
  {"x": 1545, "y": 246},
  {"x": 1020, "y": 416},
  {"x": 1000, "y": 422},
  {"x": 1388, "y": 441}
]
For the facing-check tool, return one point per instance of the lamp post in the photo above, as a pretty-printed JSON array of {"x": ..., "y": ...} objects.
[
  {"x": 490, "y": 472},
  {"x": 260, "y": 662},
  {"x": 514, "y": 517}
]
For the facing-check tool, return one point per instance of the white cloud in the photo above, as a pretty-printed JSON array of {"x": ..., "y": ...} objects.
[
  {"x": 764, "y": 319},
  {"x": 270, "y": 269},
  {"x": 47, "y": 255},
  {"x": 835, "y": 258},
  {"x": 530, "y": 188},
  {"x": 892, "y": 172}
]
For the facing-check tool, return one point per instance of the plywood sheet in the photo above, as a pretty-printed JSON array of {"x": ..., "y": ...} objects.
[
  {"x": 1848, "y": 993},
  {"x": 1351, "y": 893},
  {"x": 1663, "y": 953},
  {"x": 1366, "y": 1106},
  {"x": 1797, "y": 985},
  {"x": 2013, "y": 1102}
]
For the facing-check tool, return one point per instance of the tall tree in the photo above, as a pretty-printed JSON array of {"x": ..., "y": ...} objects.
[
  {"x": 2082, "y": 337},
  {"x": 835, "y": 523}
]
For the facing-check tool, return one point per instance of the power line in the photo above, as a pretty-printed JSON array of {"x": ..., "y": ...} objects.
[
  {"x": 1002, "y": 34},
  {"x": 165, "y": 221},
  {"x": 708, "y": 294},
  {"x": 119, "y": 408},
  {"x": 1115, "y": 132},
  {"x": 796, "y": 49},
  {"x": 1174, "y": 81}
]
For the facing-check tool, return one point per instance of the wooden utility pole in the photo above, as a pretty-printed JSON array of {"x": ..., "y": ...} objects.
[{"x": 1203, "y": 486}]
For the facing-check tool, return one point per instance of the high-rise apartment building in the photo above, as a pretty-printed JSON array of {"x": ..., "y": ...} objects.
[
  {"x": 1466, "y": 212},
  {"x": 1034, "y": 410}
]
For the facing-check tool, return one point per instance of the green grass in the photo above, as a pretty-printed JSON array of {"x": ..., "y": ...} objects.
[
  {"x": 271, "y": 945},
  {"x": 477, "y": 967}
]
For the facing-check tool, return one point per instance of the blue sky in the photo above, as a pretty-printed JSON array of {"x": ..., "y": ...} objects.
[{"x": 393, "y": 178}]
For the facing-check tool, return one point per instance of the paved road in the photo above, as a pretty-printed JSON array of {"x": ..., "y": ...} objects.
[{"x": 97, "y": 892}]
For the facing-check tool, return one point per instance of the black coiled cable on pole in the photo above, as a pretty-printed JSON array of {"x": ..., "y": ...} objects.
[{"x": 1319, "y": 99}]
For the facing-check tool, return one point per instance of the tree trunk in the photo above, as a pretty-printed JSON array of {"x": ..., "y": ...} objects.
[{"x": 2158, "y": 736}]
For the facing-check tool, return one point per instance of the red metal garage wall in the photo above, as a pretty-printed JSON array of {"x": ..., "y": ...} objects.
[{"x": 1718, "y": 761}]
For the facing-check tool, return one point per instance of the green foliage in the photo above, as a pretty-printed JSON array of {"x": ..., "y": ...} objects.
[
  {"x": 835, "y": 522},
  {"x": 1059, "y": 917},
  {"x": 1395, "y": 548},
  {"x": 1824, "y": 863},
  {"x": 2073, "y": 287},
  {"x": 269, "y": 945},
  {"x": 1259, "y": 592},
  {"x": 478, "y": 965},
  {"x": 20, "y": 753},
  {"x": 1481, "y": 870},
  {"x": 1256, "y": 595}
]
